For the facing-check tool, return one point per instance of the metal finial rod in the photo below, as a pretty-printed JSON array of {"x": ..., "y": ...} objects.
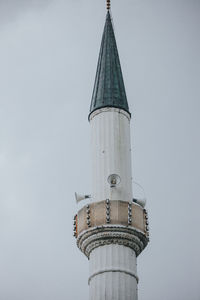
[{"x": 108, "y": 4}]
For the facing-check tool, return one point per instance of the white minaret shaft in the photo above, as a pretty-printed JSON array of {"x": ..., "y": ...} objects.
[
  {"x": 111, "y": 154},
  {"x": 113, "y": 273},
  {"x": 111, "y": 230}
]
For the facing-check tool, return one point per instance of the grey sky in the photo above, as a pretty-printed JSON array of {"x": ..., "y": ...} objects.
[
  {"x": 10, "y": 10},
  {"x": 48, "y": 58}
]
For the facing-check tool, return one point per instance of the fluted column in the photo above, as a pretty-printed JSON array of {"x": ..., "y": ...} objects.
[
  {"x": 111, "y": 153},
  {"x": 113, "y": 273}
]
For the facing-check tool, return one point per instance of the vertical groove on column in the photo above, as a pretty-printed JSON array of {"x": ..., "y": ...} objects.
[{"x": 113, "y": 284}]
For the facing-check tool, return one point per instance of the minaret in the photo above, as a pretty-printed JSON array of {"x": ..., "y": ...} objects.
[{"x": 112, "y": 228}]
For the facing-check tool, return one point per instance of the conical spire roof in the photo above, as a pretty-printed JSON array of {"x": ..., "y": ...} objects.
[{"x": 109, "y": 90}]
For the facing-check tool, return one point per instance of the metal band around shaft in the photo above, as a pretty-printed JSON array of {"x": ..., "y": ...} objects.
[{"x": 111, "y": 271}]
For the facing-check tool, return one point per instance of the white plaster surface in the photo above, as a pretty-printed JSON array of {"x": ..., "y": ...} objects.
[
  {"x": 111, "y": 154},
  {"x": 113, "y": 273}
]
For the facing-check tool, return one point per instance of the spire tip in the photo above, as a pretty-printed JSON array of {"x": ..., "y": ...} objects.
[{"x": 108, "y": 4}]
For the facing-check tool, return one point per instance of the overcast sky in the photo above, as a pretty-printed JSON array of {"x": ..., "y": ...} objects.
[{"x": 48, "y": 58}]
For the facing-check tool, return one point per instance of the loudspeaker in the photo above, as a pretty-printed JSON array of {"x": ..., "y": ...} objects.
[
  {"x": 114, "y": 180},
  {"x": 141, "y": 202},
  {"x": 81, "y": 197}
]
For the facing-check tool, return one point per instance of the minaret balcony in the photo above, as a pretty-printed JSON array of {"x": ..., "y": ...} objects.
[{"x": 111, "y": 222}]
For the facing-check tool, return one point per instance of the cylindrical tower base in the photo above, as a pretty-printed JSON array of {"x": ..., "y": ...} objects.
[{"x": 113, "y": 273}]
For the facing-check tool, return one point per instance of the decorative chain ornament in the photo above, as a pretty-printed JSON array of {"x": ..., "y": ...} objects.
[
  {"x": 88, "y": 215},
  {"x": 107, "y": 211}
]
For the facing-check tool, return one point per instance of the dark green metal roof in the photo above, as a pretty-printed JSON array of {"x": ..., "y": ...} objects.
[{"x": 109, "y": 90}]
